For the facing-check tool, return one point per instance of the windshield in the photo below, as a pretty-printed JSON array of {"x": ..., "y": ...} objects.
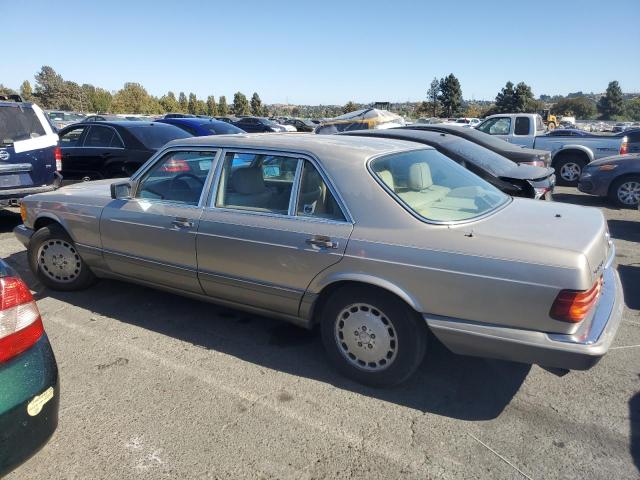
[
  {"x": 482, "y": 157},
  {"x": 18, "y": 123},
  {"x": 221, "y": 128},
  {"x": 155, "y": 135},
  {"x": 435, "y": 187}
]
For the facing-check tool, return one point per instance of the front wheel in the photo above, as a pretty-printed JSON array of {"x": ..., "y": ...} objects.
[
  {"x": 54, "y": 259},
  {"x": 625, "y": 191},
  {"x": 372, "y": 337}
]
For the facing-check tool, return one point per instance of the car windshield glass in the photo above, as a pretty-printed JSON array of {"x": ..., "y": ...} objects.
[
  {"x": 153, "y": 136},
  {"x": 221, "y": 128},
  {"x": 436, "y": 188},
  {"x": 480, "y": 156},
  {"x": 18, "y": 123}
]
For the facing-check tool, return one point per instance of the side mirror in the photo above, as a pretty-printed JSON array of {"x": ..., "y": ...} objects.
[{"x": 121, "y": 190}]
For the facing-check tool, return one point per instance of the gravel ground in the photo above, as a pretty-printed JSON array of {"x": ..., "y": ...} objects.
[{"x": 158, "y": 386}]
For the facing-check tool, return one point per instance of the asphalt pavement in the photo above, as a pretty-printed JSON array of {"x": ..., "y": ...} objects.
[{"x": 159, "y": 386}]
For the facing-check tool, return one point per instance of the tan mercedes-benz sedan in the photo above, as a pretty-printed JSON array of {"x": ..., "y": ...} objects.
[{"x": 379, "y": 241}]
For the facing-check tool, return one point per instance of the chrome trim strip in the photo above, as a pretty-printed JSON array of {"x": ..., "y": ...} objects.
[
  {"x": 244, "y": 283},
  {"x": 15, "y": 167},
  {"x": 144, "y": 260}
]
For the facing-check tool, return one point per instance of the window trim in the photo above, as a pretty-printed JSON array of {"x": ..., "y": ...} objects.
[
  {"x": 301, "y": 157},
  {"x": 415, "y": 214},
  {"x": 80, "y": 138},
  {"x": 515, "y": 126},
  {"x": 89, "y": 127},
  {"x": 171, "y": 150}
]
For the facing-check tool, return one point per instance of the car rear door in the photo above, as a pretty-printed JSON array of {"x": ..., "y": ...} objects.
[
  {"x": 273, "y": 223},
  {"x": 102, "y": 153},
  {"x": 152, "y": 236}
]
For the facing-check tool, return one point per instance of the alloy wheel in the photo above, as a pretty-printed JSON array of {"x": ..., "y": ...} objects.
[
  {"x": 629, "y": 193},
  {"x": 59, "y": 260},
  {"x": 570, "y": 171}
]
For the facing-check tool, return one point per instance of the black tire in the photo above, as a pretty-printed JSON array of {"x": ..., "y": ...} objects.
[
  {"x": 624, "y": 182},
  {"x": 569, "y": 163},
  {"x": 409, "y": 332},
  {"x": 54, "y": 236}
]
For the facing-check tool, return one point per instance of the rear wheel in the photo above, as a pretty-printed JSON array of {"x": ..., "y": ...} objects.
[
  {"x": 625, "y": 191},
  {"x": 372, "y": 337},
  {"x": 54, "y": 259},
  {"x": 568, "y": 169}
]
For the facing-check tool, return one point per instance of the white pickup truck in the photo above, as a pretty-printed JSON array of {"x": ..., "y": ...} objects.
[{"x": 569, "y": 153}]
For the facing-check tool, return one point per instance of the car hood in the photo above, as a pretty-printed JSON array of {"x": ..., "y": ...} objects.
[
  {"x": 550, "y": 233},
  {"x": 97, "y": 188},
  {"x": 527, "y": 172},
  {"x": 630, "y": 157}
]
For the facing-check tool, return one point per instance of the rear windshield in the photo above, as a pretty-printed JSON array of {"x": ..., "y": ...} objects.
[
  {"x": 435, "y": 187},
  {"x": 154, "y": 136},
  {"x": 482, "y": 157},
  {"x": 18, "y": 123},
  {"x": 221, "y": 128}
]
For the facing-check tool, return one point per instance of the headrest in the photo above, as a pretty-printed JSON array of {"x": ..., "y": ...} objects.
[
  {"x": 387, "y": 178},
  {"x": 248, "y": 180},
  {"x": 420, "y": 176}
]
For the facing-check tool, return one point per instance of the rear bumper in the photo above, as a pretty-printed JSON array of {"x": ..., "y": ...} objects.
[
  {"x": 29, "y": 403},
  {"x": 579, "y": 351},
  {"x": 6, "y": 196}
]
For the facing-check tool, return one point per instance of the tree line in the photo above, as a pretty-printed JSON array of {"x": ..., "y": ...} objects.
[
  {"x": 443, "y": 99},
  {"x": 52, "y": 92}
]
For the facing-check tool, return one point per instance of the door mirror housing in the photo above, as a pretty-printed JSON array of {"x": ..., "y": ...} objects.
[{"x": 121, "y": 190}]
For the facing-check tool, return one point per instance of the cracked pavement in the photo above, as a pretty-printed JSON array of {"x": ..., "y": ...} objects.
[{"x": 158, "y": 386}]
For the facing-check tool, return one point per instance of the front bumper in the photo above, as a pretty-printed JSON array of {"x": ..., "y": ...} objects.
[
  {"x": 594, "y": 185},
  {"x": 23, "y": 234},
  {"x": 579, "y": 351},
  {"x": 29, "y": 404},
  {"x": 14, "y": 194}
]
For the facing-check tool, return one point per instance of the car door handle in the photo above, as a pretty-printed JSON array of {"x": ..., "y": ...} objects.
[
  {"x": 322, "y": 242},
  {"x": 182, "y": 223}
]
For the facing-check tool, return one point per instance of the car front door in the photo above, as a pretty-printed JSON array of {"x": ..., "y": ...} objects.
[
  {"x": 497, "y": 126},
  {"x": 273, "y": 223},
  {"x": 72, "y": 152},
  {"x": 152, "y": 236}
]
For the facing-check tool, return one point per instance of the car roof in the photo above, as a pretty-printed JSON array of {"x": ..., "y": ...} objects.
[
  {"x": 15, "y": 104},
  {"x": 121, "y": 123},
  {"x": 192, "y": 120},
  {"x": 327, "y": 147}
]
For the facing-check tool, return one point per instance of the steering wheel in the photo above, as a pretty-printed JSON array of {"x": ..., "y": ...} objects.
[{"x": 186, "y": 174}]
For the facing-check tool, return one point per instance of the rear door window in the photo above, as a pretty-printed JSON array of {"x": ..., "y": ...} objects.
[
  {"x": 72, "y": 137},
  {"x": 522, "y": 126},
  {"x": 99, "y": 137}
]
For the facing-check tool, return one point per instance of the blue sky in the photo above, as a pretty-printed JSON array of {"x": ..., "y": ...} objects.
[{"x": 325, "y": 51}]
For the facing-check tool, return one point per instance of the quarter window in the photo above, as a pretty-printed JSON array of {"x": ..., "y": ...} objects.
[
  {"x": 315, "y": 199},
  {"x": 178, "y": 177},
  {"x": 257, "y": 182}
]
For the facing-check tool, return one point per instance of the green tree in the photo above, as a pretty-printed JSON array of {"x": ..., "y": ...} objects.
[
  {"x": 505, "y": 100},
  {"x": 191, "y": 105},
  {"x": 87, "y": 93},
  {"x": 223, "y": 108},
  {"x": 6, "y": 90},
  {"x": 611, "y": 105},
  {"x": 72, "y": 97},
  {"x": 580, "y": 107},
  {"x": 524, "y": 101},
  {"x": 133, "y": 98},
  {"x": 349, "y": 107},
  {"x": 50, "y": 90},
  {"x": 632, "y": 108},
  {"x": 101, "y": 100},
  {"x": 450, "y": 95},
  {"x": 201, "y": 107},
  {"x": 26, "y": 91},
  {"x": 212, "y": 108},
  {"x": 432, "y": 97},
  {"x": 183, "y": 104},
  {"x": 240, "y": 104},
  {"x": 256, "y": 105},
  {"x": 265, "y": 111},
  {"x": 169, "y": 103}
]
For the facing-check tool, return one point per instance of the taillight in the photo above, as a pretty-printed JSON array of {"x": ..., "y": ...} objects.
[
  {"x": 573, "y": 305},
  {"x": 624, "y": 147},
  {"x": 20, "y": 322},
  {"x": 58, "y": 155},
  {"x": 175, "y": 165}
]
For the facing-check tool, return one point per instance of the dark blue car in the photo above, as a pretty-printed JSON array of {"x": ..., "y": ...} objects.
[
  {"x": 202, "y": 127},
  {"x": 30, "y": 158}
]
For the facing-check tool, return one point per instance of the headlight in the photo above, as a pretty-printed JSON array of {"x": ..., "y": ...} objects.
[{"x": 607, "y": 168}]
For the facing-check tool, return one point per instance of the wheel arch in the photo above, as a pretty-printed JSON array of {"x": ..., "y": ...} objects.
[
  {"x": 621, "y": 177},
  {"x": 566, "y": 150},
  {"x": 46, "y": 219},
  {"x": 333, "y": 283}
]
